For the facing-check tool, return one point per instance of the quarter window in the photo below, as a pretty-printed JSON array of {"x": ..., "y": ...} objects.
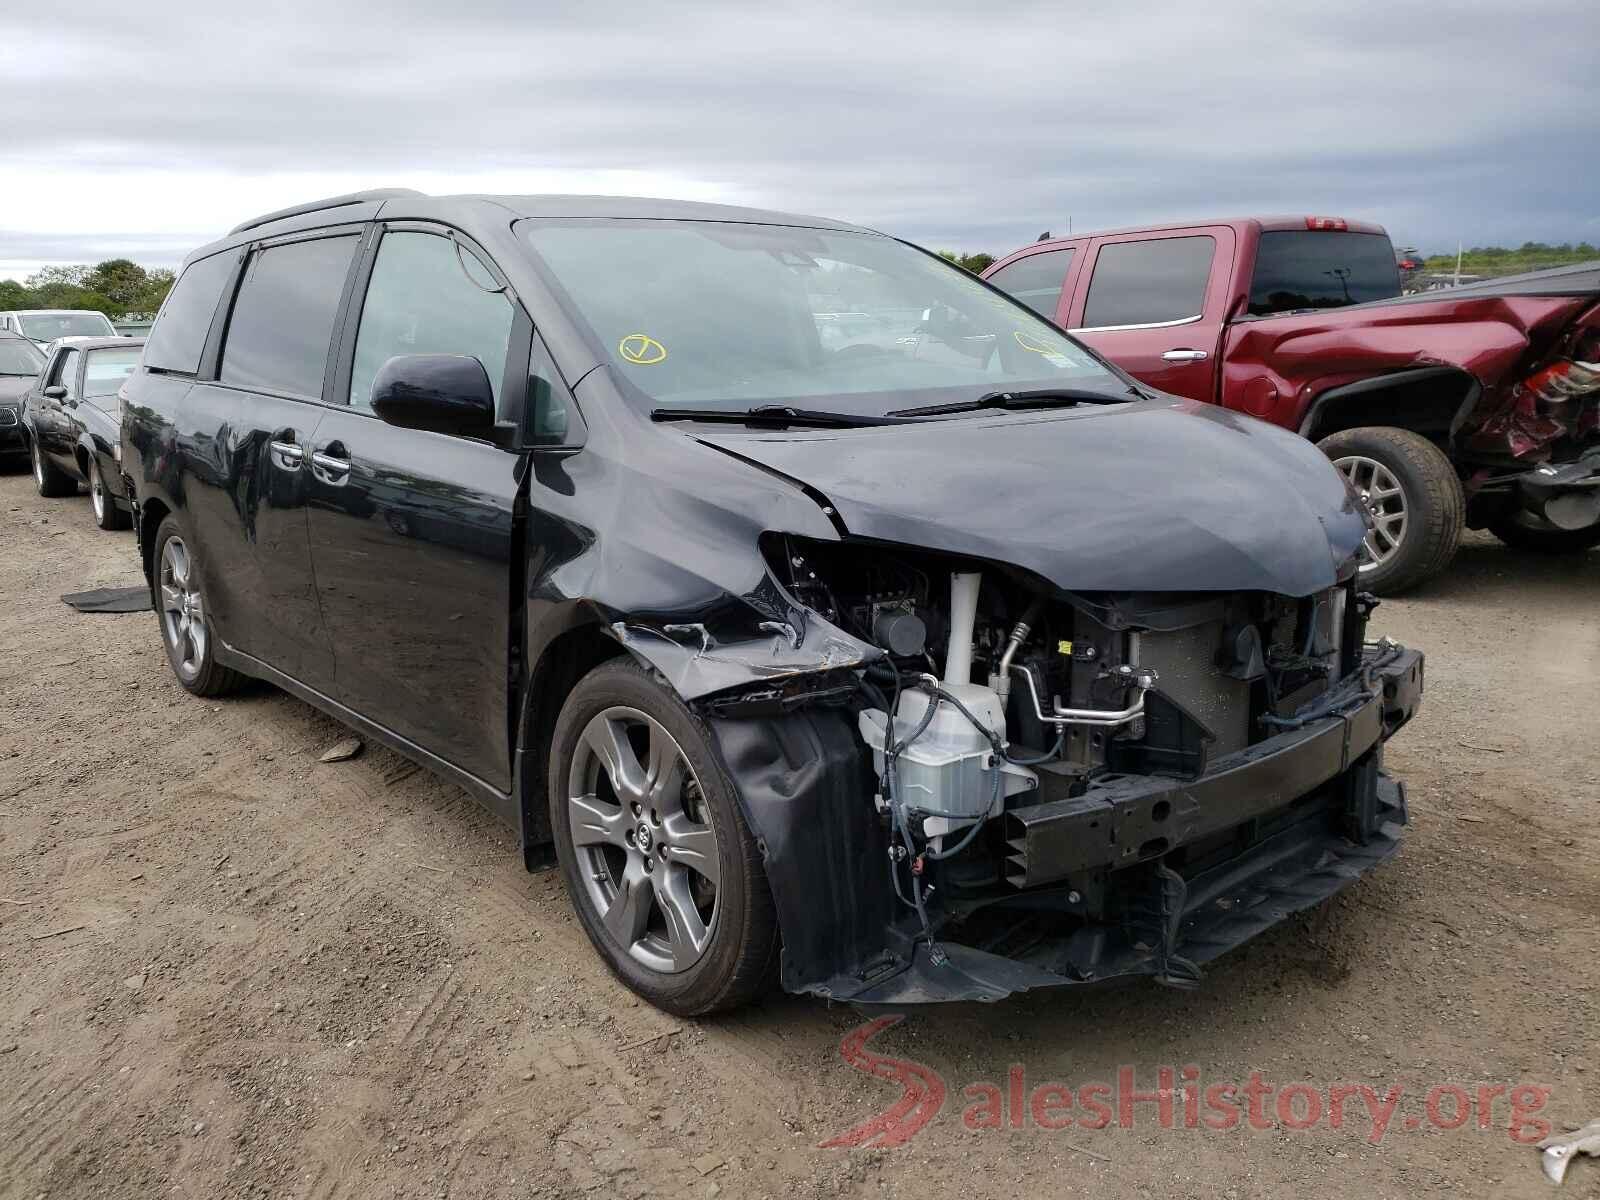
[
  {"x": 282, "y": 323},
  {"x": 67, "y": 377},
  {"x": 1036, "y": 280},
  {"x": 429, "y": 295},
  {"x": 179, "y": 334},
  {"x": 1149, "y": 282}
]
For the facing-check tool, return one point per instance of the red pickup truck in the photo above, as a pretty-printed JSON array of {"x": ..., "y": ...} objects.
[{"x": 1475, "y": 406}]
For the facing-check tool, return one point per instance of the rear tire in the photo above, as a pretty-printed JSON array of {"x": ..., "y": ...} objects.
[
  {"x": 661, "y": 868},
  {"x": 102, "y": 503},
  {"x": 1515, "y": 531},
  {"x": 1416, "y": 500},
  {"x": 50, "y": 479},
  {"x": 186, "y": 628}
]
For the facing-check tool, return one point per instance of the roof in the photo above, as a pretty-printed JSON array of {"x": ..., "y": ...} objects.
[
  {"x": 1266, "y": 224},
  {"x": 393, "y": 200},
  {"x": 48, "y": 312},
  {"x": 82, "y": 342}
]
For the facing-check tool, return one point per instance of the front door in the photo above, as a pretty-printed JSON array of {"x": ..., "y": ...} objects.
[
  {"x": 247, "y": 440},
  {"x": 412, "y": 532},
  {"x": 1154, "y": 305}
]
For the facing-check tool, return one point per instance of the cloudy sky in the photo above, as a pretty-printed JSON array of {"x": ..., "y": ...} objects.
[{"x": 146, "y": 128}]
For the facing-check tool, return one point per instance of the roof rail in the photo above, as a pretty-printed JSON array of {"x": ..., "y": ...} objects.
[{"x": 294, "y": 210}]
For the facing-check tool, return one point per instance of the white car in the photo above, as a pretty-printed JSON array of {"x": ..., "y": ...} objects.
[{"x": 44, "y": 325}]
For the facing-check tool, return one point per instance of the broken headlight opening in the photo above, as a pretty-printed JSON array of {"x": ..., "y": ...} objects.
[{"x": 1029, "y": 787}]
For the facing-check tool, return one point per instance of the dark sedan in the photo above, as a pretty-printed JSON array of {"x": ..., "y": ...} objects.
[
  {"x": 20, "y": 361},
  {"x": 72, "y": 418}
]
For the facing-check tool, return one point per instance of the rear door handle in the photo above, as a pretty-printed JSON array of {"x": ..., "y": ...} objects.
[
  {"x": 331, "y": 464},
  {"x": 287, "y": 455},
  {"x": 1185, "y": 356}
]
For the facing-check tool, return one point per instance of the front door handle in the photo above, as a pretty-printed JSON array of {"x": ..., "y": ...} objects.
[
  {"x": 331, "y": 464},
  {"x": 1185, "y": 356},
  {"x": 287, "y": 455}
]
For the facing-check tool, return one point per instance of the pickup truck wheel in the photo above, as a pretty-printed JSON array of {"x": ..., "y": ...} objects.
[
  {"x": 1528, "y": 532},
  {"x": 1414, "y": 497},
  {"x": 106, "y": 513},
  {"x": 186, "y": 627},
  {"x": 663, "y": 872},
  {"x": 50, "y": 479}
]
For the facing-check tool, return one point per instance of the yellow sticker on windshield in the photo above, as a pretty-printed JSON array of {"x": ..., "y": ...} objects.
[
  {"x": 641, "y": 349},
  {"x": 1029, "y": 342}
]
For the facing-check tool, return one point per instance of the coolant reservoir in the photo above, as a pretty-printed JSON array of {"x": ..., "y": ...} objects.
[{"x": 946, "y": 770}]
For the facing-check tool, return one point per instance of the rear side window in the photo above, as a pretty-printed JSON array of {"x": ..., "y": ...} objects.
[
  {"x": 179, "y": 334},
  {"x": 429, "y": 296},
  {"x": 1036, "y": 280},
  {"x": 282, "y": 323},
  {"x": 1149, "y": 282},
  {"x": 1303, "y": 268}
]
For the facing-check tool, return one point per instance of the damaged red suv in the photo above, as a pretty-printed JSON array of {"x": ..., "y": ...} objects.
[{"x": 820, "y": 608}]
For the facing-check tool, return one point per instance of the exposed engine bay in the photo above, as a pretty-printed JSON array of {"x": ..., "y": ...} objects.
[{"x": 1069, "y": 787}]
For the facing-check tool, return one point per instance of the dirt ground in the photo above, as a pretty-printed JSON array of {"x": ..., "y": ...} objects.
[{"x": 227, "y": 969}]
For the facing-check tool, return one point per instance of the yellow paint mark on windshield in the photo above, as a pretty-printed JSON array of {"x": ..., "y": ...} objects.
[
  {"x": 1028, "y": 342},
  {"x": 641, "y": 349}
]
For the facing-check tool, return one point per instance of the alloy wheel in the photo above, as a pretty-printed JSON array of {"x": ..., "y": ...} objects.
[
  {"x": 1385, "y": 499},
  {"x": 97, "y": 493},
  {"x": 38, "y": 465},
  {"x": 183, "y": 617},
  {"x": 647, "y": 853}
]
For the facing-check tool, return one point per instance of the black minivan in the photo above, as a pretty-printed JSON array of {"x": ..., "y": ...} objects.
[{"x": 829, "y": 614}]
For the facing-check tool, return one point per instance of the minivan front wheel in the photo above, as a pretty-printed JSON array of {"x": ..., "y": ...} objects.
[
  {"x": 665, "y": 876},
  {"x": 186, "y": 625}
]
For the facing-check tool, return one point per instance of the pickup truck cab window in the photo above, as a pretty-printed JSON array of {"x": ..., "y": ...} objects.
[
  {"x": 1299, "y": 269},
  {"x": 429, "y": 294},
  {"x": 282, "y": 324},
  {"x": 1149, "y": 282},
  {"x": 179, "y": 334},
  {"x": 1036, "y": 280}
]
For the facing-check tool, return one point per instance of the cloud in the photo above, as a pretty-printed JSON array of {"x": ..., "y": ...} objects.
[{"x": 960, "y": 125}]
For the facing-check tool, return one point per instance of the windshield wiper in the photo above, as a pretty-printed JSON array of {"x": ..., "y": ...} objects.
[
  {"x": 774, "y": 416},
  {"x": 1029, "y": 398}
]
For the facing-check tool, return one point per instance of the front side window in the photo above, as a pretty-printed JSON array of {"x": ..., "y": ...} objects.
[
  {"x": 46, "y": 327},
  {"x": 179, "y": 334},
  {"x": 429, "y": 295},
  {"x": 282, "y": 323},
  {"x": 731, "y": 315},
  {"x": 1036, "y": 280},
  {"x": 19, "y": 358},
  {"x": 1149, "y": 282},
  {"x": 105, "y": 370}
]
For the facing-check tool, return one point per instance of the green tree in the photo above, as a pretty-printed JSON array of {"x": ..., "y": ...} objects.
[{"x": 120, "y": 280}]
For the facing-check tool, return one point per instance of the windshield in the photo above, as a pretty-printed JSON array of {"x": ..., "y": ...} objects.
[
  {"x": 107, "y": 369},
  {"x": 46, "y": 327},
  {"x": 19, "y": 358},
  {"x": 720, "y": 315},
  {"x": 1302, "y": 268}
]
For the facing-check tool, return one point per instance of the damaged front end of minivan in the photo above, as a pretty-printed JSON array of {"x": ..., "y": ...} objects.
[{"x": 966, "y": 780}]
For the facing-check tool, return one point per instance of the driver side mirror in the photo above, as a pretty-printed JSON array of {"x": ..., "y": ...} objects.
[
  {"x": 55, "y": 392},
  {"x": 440, "y": 393}
]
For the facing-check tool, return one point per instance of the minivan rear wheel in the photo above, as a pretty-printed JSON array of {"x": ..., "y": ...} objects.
[
  {"x": 664, "y": 874},
  {"x": 187, "y": 631}
]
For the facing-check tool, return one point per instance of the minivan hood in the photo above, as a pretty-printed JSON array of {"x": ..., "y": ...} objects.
[{"x": 1162, "y": 495}]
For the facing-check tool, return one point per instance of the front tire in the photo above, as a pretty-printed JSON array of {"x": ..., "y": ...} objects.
[
  {"x": 1415, "y": 499},
  {"x": 661, "y": 868},
  {"x": 186, "y": 629},
  {"x": 50, "y": 479},
  {"x": 106, "y": 513},
  {"x": 1523, "y": 531}
]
